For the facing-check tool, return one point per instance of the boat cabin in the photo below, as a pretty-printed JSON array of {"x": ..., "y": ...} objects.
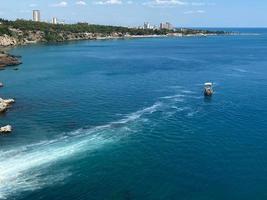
[{"x": 208, "y": 90}]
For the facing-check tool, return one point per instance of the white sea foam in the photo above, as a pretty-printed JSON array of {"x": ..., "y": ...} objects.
[
  {"x": 138, "y": 114},
  {"x": 240, "y": 70},
  {"x": 175, "y": 86},
  {"x": 29, "y": 167},
  {"x": 192, "y": 113},
  {"x": 188, "y": 92},
  {"x": 179, "y": 109},
  {"x": 235, "y": 75},
  {"x": 20, "y": 171},
  {"x": 22, "y": 167},
  {"x": 173, "y": 96}
]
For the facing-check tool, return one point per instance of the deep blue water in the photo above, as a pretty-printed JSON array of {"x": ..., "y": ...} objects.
[{"x": 126, "y": 119}]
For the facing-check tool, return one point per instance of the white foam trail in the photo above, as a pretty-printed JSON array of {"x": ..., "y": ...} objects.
[
  {"x": 188, "y": 92},
  {"x": 17, "y": 170},
  {"x": 175, "y": 87},
  {"x": 240, "y": 70},
  {"x": 21, "y": 167},
  {"x": 192, "y": 113},
  {"x": 180, "y": 109},
  {"x": 173, "y": 96},
  {"x": 138, "y": 114}
]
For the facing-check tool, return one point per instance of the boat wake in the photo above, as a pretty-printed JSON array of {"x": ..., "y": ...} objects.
[
  {"x": 23, "y": 168},
  {"x": 26, "y": 168}
]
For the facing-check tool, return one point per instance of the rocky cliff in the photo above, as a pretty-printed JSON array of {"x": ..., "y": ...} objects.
[
  {"x": 31, "y": 37},
  {"x": 6, "y": 40}
]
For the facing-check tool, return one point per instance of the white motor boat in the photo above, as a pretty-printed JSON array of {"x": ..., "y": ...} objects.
[{"x": 208, "y": 89}]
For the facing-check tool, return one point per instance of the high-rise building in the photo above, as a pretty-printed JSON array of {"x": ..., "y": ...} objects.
[
  {"x": 166, "y": 25},
  {"x": 146, "y": 25},
  {"x": 36, "y": 15},
  {"x": 54, "y": 20},
  {"x": 162, "y": 26}
]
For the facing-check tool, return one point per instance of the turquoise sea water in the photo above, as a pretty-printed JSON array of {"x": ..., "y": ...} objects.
[{"x": 126, "y": 119}]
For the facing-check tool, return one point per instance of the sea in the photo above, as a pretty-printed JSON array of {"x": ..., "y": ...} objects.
[{"x": 126, "y": 119}]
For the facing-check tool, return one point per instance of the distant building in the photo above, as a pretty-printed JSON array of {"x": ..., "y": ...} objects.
[
  {"x": 146, "y": 25},
  {"x": 54, "y": 20},
  {"x": 169, "y": 25},
  {"x": 36, "y": 15},
  {"x": 154, "y": 27},
  {"x": 149, "y": 26},
  {"x": 61, "y": 22},
  {"x": 166, "y": 25},
  {"x": 162, "y": 26}
]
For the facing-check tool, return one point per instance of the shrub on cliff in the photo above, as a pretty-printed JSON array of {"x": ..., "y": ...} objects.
[
  {"x": 52, "y": 37},
  {"x": 4, "y": 30}
]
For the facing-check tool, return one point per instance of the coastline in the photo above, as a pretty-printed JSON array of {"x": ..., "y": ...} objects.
[
  {"x": 6, "y": 60},
  {"x": 8, "y": 41},
  {"x": 23, "y": 32}
]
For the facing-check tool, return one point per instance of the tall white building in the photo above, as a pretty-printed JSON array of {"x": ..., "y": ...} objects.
[
  {"x": 36, "y": 15},
  {"x": 146, "y": 25},
  {"x": 54, "y": 20}
]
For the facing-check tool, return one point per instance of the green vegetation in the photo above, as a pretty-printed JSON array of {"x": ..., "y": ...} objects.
[
  {"x": 4, "y": 29},
  {"x": 25, "y": 25},
  {"x": 58, "y": 32}
]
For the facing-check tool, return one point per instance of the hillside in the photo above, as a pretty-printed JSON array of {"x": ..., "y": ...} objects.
[{"x": 25, "y": 32}]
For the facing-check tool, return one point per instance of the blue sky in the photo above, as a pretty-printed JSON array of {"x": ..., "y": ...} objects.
[{"x": 185, "y": 13}]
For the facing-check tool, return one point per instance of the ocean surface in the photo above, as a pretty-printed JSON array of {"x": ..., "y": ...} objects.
[{"x": 127, "y": 120}]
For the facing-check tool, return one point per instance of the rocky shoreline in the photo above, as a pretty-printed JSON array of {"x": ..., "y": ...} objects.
[
  {"x": 38, "y": 37},
  {"x": 4, "y": 105},
  {"x": 7, "y": 60}
]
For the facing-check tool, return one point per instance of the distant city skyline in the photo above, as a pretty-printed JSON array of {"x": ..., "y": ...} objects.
[{"x": 185, "y": 13}]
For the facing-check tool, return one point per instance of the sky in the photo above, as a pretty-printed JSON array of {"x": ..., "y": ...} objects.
[{"x": 181, "y": 13}]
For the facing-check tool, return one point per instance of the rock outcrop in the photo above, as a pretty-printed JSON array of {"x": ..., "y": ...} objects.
[
  {"x": 6, "y": 129},
  {"x": 6, "y": 40},
  {"x": 5, "y": 104},
  {"x": 8, "y": 60}
]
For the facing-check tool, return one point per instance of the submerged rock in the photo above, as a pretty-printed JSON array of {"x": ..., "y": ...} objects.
[
  {"x": 6, "y": 129},
  {"x": 5, "y": 104}
]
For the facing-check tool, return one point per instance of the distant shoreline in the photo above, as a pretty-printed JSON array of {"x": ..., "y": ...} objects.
[
  {"x": 156, "y": 36},
  {"x": 22, "y": 32},
  {"x": 8, "y": 41}
]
